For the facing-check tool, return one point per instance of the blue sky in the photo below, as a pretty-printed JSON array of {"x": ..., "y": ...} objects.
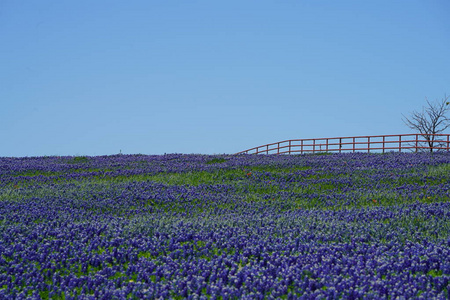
[{"x": 212, "y": 77}]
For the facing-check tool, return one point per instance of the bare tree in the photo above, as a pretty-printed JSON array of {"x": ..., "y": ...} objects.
[{"x": 432, "y": 120}]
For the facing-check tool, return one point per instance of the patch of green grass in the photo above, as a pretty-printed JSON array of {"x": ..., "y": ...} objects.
[
  {"x": 31, "y": 173},
  {"x": 45, "y": 296},
  {"x": 435, "y": 273},
  {"x": 145, "y": 254},
  {"x": 216, "y": 161},
  {"x": 322, "y": 153},
  {"x": 117, "y": 275},
  {"x": 90, "y": 269},
  {"x": 439, "y": 170},
  {"x": 7, "y": 258},
  {"x": 193, "y": 178},
  {"x": 276, "y": 168},
  {"x": 200, "y": 244},
  {"x": 78, "y": 160},
  {"x": 101, "y": 250}
]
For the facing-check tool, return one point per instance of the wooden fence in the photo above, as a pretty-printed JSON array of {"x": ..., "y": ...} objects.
[{"x": 376, "y": 143}]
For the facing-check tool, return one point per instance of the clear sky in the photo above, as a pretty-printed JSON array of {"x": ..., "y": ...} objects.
[{"x": 213, "y": 77}]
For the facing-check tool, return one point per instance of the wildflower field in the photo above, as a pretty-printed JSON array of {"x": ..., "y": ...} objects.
[{"x": 350, "y": 226}]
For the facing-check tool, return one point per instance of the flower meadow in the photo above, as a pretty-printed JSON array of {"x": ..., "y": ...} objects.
[{"x": 178, "y": 226}]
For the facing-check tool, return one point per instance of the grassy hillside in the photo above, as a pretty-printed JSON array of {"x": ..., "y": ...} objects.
[{"x": 372, "y": 226}]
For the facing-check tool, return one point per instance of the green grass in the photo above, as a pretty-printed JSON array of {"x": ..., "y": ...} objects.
[
  {"x": 261, "y": 183},
  {"x": 216, "y": 161},
  {"x": 439, "y": 170},
  {"x": 195, "y": 178},
  {"x": 78, "y": 160}
]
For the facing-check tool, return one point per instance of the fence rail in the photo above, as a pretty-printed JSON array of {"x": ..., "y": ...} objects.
[{"x": 375, "y": 143}]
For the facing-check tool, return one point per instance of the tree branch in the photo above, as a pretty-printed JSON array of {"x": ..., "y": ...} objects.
[{"x": 432, "y": 120}]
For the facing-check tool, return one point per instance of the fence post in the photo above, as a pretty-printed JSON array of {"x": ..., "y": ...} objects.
[
  {"x": 400, "y": 143},
  {"x": 368, "y": 144},
  {"x": 383, "y": 143},
  {"x": 327, "y": 145},
  {"x": 267, "y": 149},
  {"x": 340, "y": 144},
  {"x": 314, "y": 145},
  {"x": 354, "y": 145},
  {"x": 417, "y": 142},
  {"x": 448, "y": 145}
]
